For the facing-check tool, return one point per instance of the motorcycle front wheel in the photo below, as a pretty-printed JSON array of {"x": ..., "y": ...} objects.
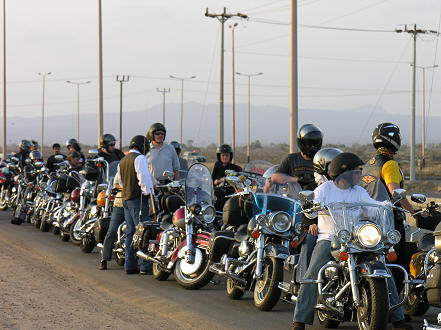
[
  {"x": 415, "y": 305},
  {"x": 3, "y": 199},
  {"x": 44, "y": 225},
  {"x": 233, "y": 292},
  {"x": 266, "y": 290},
  {"x": 195, "y": 280},
  {"x": 158, "y": 273},
  {"x": 374, "y": 310},
  {"x": 74, "y": 235}
]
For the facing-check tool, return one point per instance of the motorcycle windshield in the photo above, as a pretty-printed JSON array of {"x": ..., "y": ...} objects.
[
  {"x": 198, "y": 185},
  {"x": 289, "y": 203}
]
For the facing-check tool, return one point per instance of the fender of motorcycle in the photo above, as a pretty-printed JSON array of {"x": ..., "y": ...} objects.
[
  {"x": 276, "y": 251},
  {"x": 200, "y": 240},
  {"x": 72, "y": 219},
  {"x": 373, "y": 269}
]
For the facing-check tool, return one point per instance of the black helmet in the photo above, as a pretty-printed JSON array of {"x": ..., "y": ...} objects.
[
  {"x": 309, "y": 139},
  {"x": 70, "y": 142},
  {"x": 155, "y": 127},
  {"x": 346, "y": 161},
  {"x": 141, "y": 143},
  {"x": 224, "y": 149},
  {"x": 387, "y": 135},
  {"x": 106, "y": 140},
  {"x": 36, "y": 155},
  {"x": 323, "y": 158},
  {"x": 25, "y": 145},
  {"x": 177, "y": 146}
]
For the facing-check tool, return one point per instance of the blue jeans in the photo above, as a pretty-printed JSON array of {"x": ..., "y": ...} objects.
[
  {"x": 307, "y": 298},
  {"x": 116, "y": 220},
  {"x": 131, "y": 214},
  {"x": 305, "y": 256}
]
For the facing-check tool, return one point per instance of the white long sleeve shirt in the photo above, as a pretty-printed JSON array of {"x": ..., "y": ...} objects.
[{"x": 142, "y": 172}]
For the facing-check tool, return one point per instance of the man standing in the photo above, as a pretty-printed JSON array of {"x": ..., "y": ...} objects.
[
  {"x": 182, "y": 162},
  {"x": 299, "y": 165},
  {"x": 51, "y": 160},
  {"x": 162, "y": 156},
  {"x": 108, "y": 150},
  {"x": 137, "y": 185}
]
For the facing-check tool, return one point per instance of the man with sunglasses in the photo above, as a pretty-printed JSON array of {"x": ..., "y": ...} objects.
[
  {"x": 108, "y": 150},
  {"x": 162, "y": 156}
]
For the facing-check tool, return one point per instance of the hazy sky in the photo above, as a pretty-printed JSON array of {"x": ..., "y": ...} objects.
[{"x": 149, "y": 40}]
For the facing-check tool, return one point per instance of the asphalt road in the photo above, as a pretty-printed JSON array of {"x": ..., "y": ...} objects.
[{"x": 208, "y": 308}]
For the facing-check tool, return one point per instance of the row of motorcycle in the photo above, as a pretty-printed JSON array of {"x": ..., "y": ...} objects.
[{"x": 251, "y": 240}]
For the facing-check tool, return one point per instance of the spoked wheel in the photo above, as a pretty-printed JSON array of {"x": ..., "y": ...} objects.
[
  {"x": 159, "y": 273},
  {"x": 266, "y": 290},
  {"x": 120, "y": 259},
  {"x": 87, "y": 244},
  {"x": 74, "y": 234},
  {"x": 415, "y": 304},
  {"x": 3, "y": 198},
  {"x": 234, "y": 292},
  {"x": 374, "y": 310},
  {"x": 44, "y": 225},
  {"x": 193, "y": 276},
  {"x": 325, "y": 321},
  {"x": 63, "y": 236}
]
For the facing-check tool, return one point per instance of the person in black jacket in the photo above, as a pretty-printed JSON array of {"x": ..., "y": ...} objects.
[
  {"x": 24, "y": 148},
  {"x": 224, "y": 162},
  {"x": 51, "y": 160},
  {"x": 108, "y": 150}
]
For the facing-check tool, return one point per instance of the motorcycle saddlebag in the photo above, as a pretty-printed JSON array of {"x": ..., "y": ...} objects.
[
  {"x": 433, "y": 286},
  {"x": 60, "y": 186},
  {"x": 100, "y": 229},
  {"x": 220, "y": 242},
  {"x": 233, "y": 214}
]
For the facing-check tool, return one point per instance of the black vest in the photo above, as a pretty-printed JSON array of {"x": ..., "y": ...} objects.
[{"x": 131, "y": 188}]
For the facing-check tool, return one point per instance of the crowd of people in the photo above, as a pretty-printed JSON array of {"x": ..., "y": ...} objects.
[{"x": 313, "y": 167}]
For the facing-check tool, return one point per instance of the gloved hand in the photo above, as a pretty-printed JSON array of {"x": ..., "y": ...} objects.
[{"x": 307, "y": 205}]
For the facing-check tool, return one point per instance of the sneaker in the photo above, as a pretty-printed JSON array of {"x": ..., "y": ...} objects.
[
  {"x": 103, "y": 265},
  {"x": 298, "y": 326}
]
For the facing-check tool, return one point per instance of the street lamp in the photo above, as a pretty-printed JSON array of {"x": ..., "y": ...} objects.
[
  {"x": 249, "y": 104},
  {"x": 43, "y": 75},
  {"x": 423, "y": 146},
  {"x": 233, "y": 141},
  {"x": 78, "y": 84},
  {"x": 182, "y": 98},
  {"x": 163, "y": 91}
]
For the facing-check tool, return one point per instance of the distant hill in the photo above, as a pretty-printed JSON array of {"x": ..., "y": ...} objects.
[{"x": 269, "y": 124}]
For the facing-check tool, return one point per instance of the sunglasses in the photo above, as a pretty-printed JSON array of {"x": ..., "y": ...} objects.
[
  {"x": 112, "y": 145},
  {"x": 159, "y": 133}
]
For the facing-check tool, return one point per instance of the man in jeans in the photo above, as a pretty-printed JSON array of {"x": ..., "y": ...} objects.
[{"x": 137, "y": 185}]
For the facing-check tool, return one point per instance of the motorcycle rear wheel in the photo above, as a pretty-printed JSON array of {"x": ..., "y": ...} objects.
[
  {"x": 158, "y": 273},
  {"x": 233, "y": 292},
  {"x": 63, "y": 236},
  {"x": 374, "y": 310},
  {"x": 199, "y": 280},
  {"x": 44, "y": 225},
  {"x": 266, "y": 291},
  {"x": 326, "y": 322},
  {"x": 3, "y": 202},
  {"x": 414, "y": 305}
]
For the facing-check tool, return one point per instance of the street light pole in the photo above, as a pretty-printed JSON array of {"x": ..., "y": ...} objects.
[
  {"x": 100, "y": 75},
  {"x": 163, "y": 91},
  {"x": 294, "y": 110},
  {"x": 233, "y": 142},
  {"x": 182, "y": 99},
  {"x": 4, "y": 81},
  {"x": 43, "y": 75},
  {"x": 78, "y": 84},
  {"x": 249, "y": 106},
  {"x": 121, "y": 80}
]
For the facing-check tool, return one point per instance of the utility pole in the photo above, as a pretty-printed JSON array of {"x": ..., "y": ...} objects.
[
  {"x": 182, "y": 100},
  {"x": 233, "y": 142},
  {"x": 100, "y": 75},
  {"x": 78, "y": 84},
  {"x": 414, "y": 32},
  {"x": 43, "y": 75},
  {"x": 222, "y": 17},
  {"x": 294, "y": 95},
  {"x": 121, "y": 79},
  {"x": 163, "y": 91},
  {"x": 4, "y": 81},
  {"x": 249, "y": 105}
]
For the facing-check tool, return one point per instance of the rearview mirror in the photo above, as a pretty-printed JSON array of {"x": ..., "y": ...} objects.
[
  {"x": 306, "y": 196},
  {"x": 93, "y": 152},
  {"x": 399, "y": 194},
  {"x": 39, "y": 164},
  {"x": 14, "y": 159},
  {"x": 418, "y": 198},
  {"x": 101, "y": 186},
  {"x": 28, "y": 161},
  {"x": 59, "y": 157},
  {"x": 168, "y": 174}
]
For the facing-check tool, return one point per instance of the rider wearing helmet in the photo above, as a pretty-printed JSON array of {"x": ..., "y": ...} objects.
[
  {"x": 386, "y": 138},
  {"x": 345, "y": 172},
  {"x": 299, "y": 165},
  {"x": 51, "y": 160},
  {"x": 224, "y": 155},
  {"x": 108, "y": 150},
  {"x": 182, "y": 162},
  {"x": 24, "y": 148},
  {"x": 36, "y": 156},
  {"x": 35, "y": 145},
  {"x": 162, "y": 156},
  {"x": 70, "y": 142}
]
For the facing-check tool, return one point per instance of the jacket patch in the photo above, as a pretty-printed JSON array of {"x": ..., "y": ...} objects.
[{"x": 368, "y": 179}]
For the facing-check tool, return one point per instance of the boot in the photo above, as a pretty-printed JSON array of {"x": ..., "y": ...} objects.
[
  {"x": 298, "y": 326},
  {"x": 16, "y": 221},
  {"x": 103, "y": 265}
]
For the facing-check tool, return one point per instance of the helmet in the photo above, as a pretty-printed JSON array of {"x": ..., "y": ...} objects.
[
  {"x": 269, "y": 172},
  {"x": 346, "y": 161},
  {"x": 323, "y": 158},
  {"x": 36, "y": 155},
  {"x": 70, "y": 141},
  {"x": 155, "y": 127},
  {"x": 106, "y": 140},
  {"x": 387, "y": 135},
  {"x": 25, "y": 145},
  {"x": 177, "y": 146},
  {"x": 224, "y": 149},
  {"x": 141, "y": 143},
  {"x": 309, "y": 139}
]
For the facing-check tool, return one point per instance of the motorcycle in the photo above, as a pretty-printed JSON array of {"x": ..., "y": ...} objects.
[
  {"x": 251, "y": 255},
  {"x": 180, "y": 243}
]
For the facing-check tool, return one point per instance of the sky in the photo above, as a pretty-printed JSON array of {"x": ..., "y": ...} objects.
[{"x": 150, "y": 40}]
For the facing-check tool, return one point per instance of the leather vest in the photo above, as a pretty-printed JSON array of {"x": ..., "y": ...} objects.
[{"x": 131, "y": 188}]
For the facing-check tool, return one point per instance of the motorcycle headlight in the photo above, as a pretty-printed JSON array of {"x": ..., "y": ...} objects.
[
  {"x": 369, "y": 235},
  {"x": 344, "y": 236},
  {"x": 261, "y": 219},
  {"x": 393, "y": 237},
  {"x": 208, "y": 213},
  {"x": 279, "y": 221}
]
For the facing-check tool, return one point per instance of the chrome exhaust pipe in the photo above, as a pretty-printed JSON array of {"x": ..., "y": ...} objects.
[{"x": 144, "y": 256}]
